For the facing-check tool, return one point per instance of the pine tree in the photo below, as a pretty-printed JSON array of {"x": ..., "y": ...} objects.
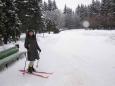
[
  {"x": 9, "y": 18},
  {"x": 113, "y": 7},
  {"x": 65, "y": 9},
  {"x": 54, "y": 5},
  {"x": 95, "y": 8},
  {"x": 82, "y": 12},
  {"x": 68, "y": 17},
  {"x": 51, "y": 15},
  {"x": 50, "y": 5},
  {"x": 45, "y": 6},
  {"x": 29, "y": 12},
  {"x": 106, "y": 7},
  {"x": 2, "y": 18}
]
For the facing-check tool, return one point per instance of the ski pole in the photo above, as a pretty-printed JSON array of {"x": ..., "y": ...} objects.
[{"x": 25, "y": 63}]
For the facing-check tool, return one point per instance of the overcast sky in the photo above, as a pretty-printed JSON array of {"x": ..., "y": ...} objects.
[{"x": 71, "y": 3}]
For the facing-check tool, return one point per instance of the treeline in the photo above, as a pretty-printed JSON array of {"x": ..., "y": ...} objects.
[
  {"x": 100, "y": 15},
  {"x": 18, "y": 16}
]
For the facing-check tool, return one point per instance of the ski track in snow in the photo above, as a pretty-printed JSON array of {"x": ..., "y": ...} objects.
[{"x": 77, "y": 58}]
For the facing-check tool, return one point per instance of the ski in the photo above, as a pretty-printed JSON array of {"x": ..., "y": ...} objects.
[
  {"x": 43, "y": 72},
  {"x": 35, "y": 74},
  {"x": 39, "y": 72}
]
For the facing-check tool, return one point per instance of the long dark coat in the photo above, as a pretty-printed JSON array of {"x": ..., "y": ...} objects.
[{"x": 32, "y": 48}]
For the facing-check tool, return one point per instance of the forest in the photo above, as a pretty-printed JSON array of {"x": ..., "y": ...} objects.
[{"x": 18, "y": 16}]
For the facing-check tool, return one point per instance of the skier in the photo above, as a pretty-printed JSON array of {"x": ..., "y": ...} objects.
[{"x": 32, "y": 49}]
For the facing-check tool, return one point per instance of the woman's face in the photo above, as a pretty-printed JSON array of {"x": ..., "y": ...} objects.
[{"x": 31, "y": 33}]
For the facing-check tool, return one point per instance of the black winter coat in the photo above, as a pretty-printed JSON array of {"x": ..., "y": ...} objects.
[{"x": 32, "y": 48}]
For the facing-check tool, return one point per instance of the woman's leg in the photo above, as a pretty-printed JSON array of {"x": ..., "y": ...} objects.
[
  {"x": 30, "y": 67},
  {"x": 31, "y": 64}
]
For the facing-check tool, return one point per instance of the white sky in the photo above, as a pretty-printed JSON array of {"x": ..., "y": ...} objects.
[{"x": 71, "y": 3}]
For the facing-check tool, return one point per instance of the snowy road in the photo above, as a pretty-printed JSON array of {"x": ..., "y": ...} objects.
[{"x": 77, "y": 58}]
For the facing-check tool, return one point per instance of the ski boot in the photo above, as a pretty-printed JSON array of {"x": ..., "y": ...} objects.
[{"x": 30, "y": 70}]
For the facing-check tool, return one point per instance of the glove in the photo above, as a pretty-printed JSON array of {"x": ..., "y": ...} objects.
[{"x": 28, "y": 47}]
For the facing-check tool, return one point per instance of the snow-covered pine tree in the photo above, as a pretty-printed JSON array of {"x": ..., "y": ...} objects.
[
  {"x": 68, "y": 17},
  {"x": 82, "y": 13},
  {"x": 106, "y": 7},
  {"x": 54, "y": 5},
  {"x": 107, "y": 14},
  {"x": 113, "y": 7},
  {"x": 10, "y": 20},
  {"x": 50, "y": 5},
  {"x": 94, "y": 8},
  {"x": 45, "y": 6},
  {"x": 93, "y": 16},
  {"x": 51, "y": 15},
  {"x": 29, "y": 12},
  {"x": 2, "y": 18}
]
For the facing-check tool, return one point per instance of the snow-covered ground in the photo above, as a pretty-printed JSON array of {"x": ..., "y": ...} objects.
[
  {"x": 77, "y": 58},
  {"x": 10, "y": 45}
]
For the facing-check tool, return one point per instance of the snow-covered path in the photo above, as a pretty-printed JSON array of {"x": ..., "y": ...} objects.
[{"x": 77, "y": 58}]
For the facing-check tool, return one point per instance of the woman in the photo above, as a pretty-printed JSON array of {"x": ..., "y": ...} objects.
[{"x": 32, "y": 49}]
